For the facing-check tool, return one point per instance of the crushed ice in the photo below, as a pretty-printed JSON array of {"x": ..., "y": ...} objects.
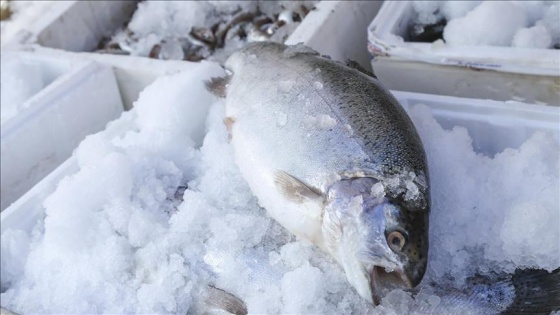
[
  {"x": 115, "y": 240},
  {"x": 524, "y": 24}
]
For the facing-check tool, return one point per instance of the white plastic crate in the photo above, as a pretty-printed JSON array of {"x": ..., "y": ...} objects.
[
  {"x": 133, "y": 74},
  {"x": 73, "y": 25},
  {"x": 79, "y": 98},
  {"x": 500, "y": 73},
  {"x": 338, "y": 29},
  {"x": 24, "y": 213},
  {"x": 493, "y": 125}
]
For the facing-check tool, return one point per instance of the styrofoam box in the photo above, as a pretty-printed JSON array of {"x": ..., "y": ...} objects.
[
  {"x": 335, "y": 28},
  {"x": 133, "y": 74},
  {"x": 338, "y": 29},
  {"x": 80, "y": 97},
  {"x": 28, "y": 209},
  {"x": 500, "y": 73},
  {"x": 493, "y": 126},
  {"x": 74, "y": 25},
  {"x": 323, "y": 29}
]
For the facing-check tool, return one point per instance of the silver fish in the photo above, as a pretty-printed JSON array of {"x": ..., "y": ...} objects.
[{"x": 333, "y": 157}]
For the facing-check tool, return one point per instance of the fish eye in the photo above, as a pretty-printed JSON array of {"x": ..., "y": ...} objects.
[{"x": 396, "y": 241}]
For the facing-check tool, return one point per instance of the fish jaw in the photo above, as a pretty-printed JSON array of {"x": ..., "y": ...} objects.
[
  {"x": 369, "y": 273},
  {"x": 366, "y": 278}
]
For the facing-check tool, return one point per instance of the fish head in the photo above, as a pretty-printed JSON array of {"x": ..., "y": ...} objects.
[{"x": 377, "y": 240}]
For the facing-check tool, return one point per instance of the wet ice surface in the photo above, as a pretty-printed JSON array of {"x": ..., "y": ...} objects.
[
  {"x": 211, "y": 30},
  {"x": 19, "y": 81},
  {"x": 115, "y": 239},
  {"x": 524, "y": 24}
]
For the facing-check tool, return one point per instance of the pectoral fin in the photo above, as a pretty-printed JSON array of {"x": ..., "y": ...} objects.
[
  {"x": 216, "y": 299},
  {"x": 331, "y": 230},
  {"x": 295, "y": 190}
]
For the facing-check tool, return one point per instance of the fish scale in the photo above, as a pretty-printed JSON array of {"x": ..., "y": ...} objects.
[{"x": 387, "y": 132}]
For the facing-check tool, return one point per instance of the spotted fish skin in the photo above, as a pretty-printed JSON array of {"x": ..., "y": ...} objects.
[
  {"x": 378, "y": 121},
  {"x": 333, "y": 157}
]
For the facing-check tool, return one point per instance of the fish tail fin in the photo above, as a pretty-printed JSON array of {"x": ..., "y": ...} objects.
[{"x": 537, "y": 291}]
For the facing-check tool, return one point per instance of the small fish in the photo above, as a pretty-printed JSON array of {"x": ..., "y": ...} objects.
[{"x": 334, "y": 158}]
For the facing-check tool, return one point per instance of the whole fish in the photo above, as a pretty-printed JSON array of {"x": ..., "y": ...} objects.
[{"x": 333, "y": 157}]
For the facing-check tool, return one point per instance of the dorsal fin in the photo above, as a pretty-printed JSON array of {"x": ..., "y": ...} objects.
[
  {"x": 355, "y": 65},
  {"x": 299, "y": 49}
]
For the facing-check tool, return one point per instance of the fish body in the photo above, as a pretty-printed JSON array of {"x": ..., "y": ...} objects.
[{"x": 333, "y": 158}]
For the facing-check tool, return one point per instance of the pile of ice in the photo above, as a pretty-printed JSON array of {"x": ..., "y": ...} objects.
[
  {"x": 19, "y": 81},
  {"x": 211, "y": 30},
  {"x": 118, "y": 239},
  {"x": 526, "y": 24}
]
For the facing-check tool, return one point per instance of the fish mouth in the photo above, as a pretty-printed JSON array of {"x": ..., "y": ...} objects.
[{"x": 379, "y": 277}]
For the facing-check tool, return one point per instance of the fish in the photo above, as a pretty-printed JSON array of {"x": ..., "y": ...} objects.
[{"x": 333, "y": 157}]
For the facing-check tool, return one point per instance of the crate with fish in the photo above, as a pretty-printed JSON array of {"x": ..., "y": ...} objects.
[
  {"x": 210, "y": 30},
  {"x": 49, "y": 104},
  {"x": 153, "y": 214},
  {"x": 502, "y": 50},
  {"x": 169, "y": 30}
]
